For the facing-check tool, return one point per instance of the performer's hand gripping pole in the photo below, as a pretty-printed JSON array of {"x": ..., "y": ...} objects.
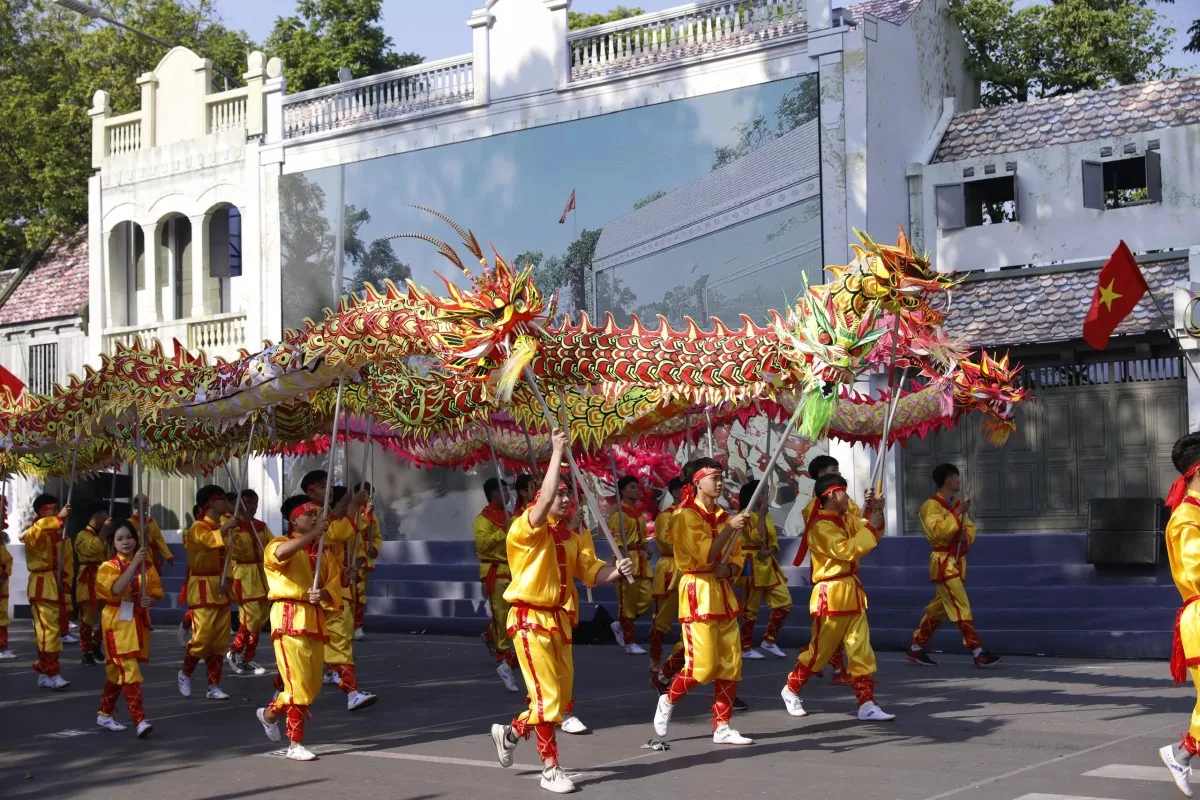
[{"x": 337, "y": 413}]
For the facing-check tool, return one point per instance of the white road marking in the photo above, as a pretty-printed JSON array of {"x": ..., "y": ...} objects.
[
  {"x": 67, "y": 734},
  {"x": 1135, "y": 772},
  {"x": 460, "y": 762},
  {"x": 1040, "y": 796}
]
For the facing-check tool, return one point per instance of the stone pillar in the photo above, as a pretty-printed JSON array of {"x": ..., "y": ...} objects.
[
  {"x": 835, "y": 232},
  {"x": 273, "y": 88},
  {"x": 202, "y": 88},
  {"x": 255, "y": 76},
  {"x": 560, "y": 53},
  {"x": 480, "y": 23},
  {"x": 149, "y": 85},
  {"x": 100, "y": 111},
  {"x": 819, "y": 14},
  {"x": 148, "y": 300},
  {"x": 199, "y": 266}
]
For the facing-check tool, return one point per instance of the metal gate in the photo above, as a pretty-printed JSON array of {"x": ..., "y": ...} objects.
[{"x": 1091, "y": 430}]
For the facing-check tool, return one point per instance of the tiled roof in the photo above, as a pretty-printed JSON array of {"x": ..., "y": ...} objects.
[
  {"x": 894, "y": 11},
  {"x": 1080, "y": 117},
  {"x": 57, "y": 286},
  {"x": 6, "y": 277},
  {"x": 1025, "y": 309}
]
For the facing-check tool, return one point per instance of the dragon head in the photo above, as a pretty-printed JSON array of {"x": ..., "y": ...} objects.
[
  {"x": 894, "y": 276},
  {"x": 495, "y": 324},
  {"x": 990, "y": 386}
]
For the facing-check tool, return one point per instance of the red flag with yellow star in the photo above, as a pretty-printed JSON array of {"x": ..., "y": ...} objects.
[{"x": 1119, "y": 289}]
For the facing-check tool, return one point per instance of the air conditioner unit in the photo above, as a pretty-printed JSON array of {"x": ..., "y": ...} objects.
[{"x": 1127, "y": 531}]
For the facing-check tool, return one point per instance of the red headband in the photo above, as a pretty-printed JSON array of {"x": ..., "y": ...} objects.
[
  {"x": 1179, "y": 487},
  {"x": 837, "y": 487},
  {"x": 302, "y": 509},
  {"x": 47, "y": 508},
  {"x": 689, "y": 491}
]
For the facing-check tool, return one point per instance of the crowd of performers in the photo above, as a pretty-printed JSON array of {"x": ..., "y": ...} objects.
[{"x": 714, "y": 571}]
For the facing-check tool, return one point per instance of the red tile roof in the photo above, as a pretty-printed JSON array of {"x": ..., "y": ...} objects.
[{"x": 57, "y": 286}]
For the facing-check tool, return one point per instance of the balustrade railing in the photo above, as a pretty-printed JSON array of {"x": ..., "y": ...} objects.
[
  {"x": 123, "y": 134},
  {"x": 220, "y": 333},
  {"x": 226, "y": 110}
]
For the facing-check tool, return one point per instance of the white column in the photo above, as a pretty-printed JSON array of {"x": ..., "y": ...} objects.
[
  {"x": 273, "y": 88},
  {"x": 148, "y": 307},
  {"x": 819, "y": 14},
  {"x": 98, "y": 271},
  {"x": 560, "y": 53},
  {"x": 100, "y": 111},
  {"x": 480, "y": 23},
  {"x": 199, "y": 266},
  {"x": 149, "y": 84},
  {"x": 1191, "y": 348}
]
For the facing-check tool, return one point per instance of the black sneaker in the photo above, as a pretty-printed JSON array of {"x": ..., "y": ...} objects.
[
  {"x": 986, "y": 659},
  {"x": 740, "y": 705},
  {"x": 920, "y": 657},
  {"x": 97, "y": 652},
  {"x": 88, "y": 660}
]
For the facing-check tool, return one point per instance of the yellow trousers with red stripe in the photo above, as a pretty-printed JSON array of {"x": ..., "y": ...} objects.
[
  {"x": 548, "y": 667},
  {"x": 666, "y": 612},
  {"x": 633, "y": 599},
  {"x": 298, "y": 659},
  {"x": 254, "y": 614},
  {"x": 47, "y": 625},
  {"x": 830, "y": 633},
  {"x": 122, "y": 671},
  {"x": 776, "y": 596},
  {"x": 210, "y": 631},
  {"x": 499, "y": 609},
  {"x": 712, "y": 650},
  {"x": 949, "y": 602},
  {"x": 340, "y": 627}
]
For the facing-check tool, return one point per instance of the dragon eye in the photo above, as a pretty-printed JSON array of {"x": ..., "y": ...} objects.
[{"x": 825, "y": 339}]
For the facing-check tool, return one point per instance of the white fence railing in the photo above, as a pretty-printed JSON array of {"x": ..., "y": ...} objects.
[
  {"x": 680, "y": 32},
  {"x": 123, "y": 134},
  {"x": 219, "y": 334},
  {"x": 127, "y": 335},
  {"x": 226, "y": 110},
  {"x": 405, "y": 91}
]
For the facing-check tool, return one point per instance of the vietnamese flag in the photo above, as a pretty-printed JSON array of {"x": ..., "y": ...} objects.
[
  {"x": 11, "y": 382},
  {"x": 1119, "y": 289}
]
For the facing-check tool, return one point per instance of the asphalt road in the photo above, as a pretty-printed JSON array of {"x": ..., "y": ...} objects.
[{"x": 1033, "y": 729}]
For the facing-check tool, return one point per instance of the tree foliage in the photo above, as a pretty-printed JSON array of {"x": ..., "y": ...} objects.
[
  {"x": 795, "y": 108},
  {"x": 577, "y": 20},
  {"x": 325, "y": 35},
  {"x": 1066, "y": 46},
  {"x": 52, "y": 62}
]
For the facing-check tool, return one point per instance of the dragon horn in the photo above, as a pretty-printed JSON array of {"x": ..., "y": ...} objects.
[
  {"x": 468, "y": 238},
  {"x": 446, "y": 250}
]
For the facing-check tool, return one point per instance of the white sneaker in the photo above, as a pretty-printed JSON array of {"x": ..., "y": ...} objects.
[
  {"x": 662, "y": 715},
  {"x": 506, "y": 676},
  {"x": 617, "y": 632},
  {"x": 108, "y": 723},
  {"x": 185, "y": 684},
  {"x": 214, "y": 693},
  {"x": 7, "y": 655},
  {"x": 69, "y": 638},
  {"x": 773, "y": 649},
  {"x": 298, "y": 752},
  {"x": 72, "y": 625},
  {"x": 1179, "y": 773},
  {"x": 752, "y": 654},
  {"x": 634, "y": 649},
  {"x": 555, "y": 780},
  {"x": 183, "y": 634},
  {"x": 573, "y": 724},
  {"x": 727, "y": 735},
  {"x": 504, "y": 745},
  {"x": 254, "y": 668},
  {"x": 234, "y": 660},
  {"x": 870, "y": 711},
  {"x": 44, "y": 681},
  {"x": 58, "y": 683},
  {"x": 360, "y": 699},
  {"x": 331, "y": 679},
  {"x": 359, "y": 635},
  {"x": 792, "y": 703},
  {"x": 144, "y": 729},
  {"x": 271, "y": 729}
]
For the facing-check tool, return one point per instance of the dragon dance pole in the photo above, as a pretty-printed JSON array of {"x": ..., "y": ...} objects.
[
  {"x": 112, "y": 489},
  {"x": 612, "y": 463},
  {"x": 63, "y": 541},
  {"x": 238, "y": 487},
  {"x": 529, "y": 449},
  {"x": 877, "y": 469},
  {"x": 337, "y": 412},
  {"x": 562, "y": 414},
  {"x": 145, "y": 523},
  {"x": 708, "y": 422},
  {"x": 783, "y": 440},
  {"x": 363, "y": 483},
  {"x": 591, "y": 501},
  {"x": 499, "y": 473}
]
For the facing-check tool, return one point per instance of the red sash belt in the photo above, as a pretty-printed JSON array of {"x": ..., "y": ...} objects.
[
  {"x": 532, "y": 607},
  {"x": 489, "y": 580},
  {"x": 1178, "y": 659}
]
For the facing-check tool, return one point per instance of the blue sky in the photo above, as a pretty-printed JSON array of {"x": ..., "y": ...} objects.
[{"x": 437, "y": 28}]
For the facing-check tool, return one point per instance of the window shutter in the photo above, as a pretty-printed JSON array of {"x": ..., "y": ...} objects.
[
  {"x": 951, "y": 206},
  {"x": 1093, "y": 185},
  {"x": 1153, "y": 176}
]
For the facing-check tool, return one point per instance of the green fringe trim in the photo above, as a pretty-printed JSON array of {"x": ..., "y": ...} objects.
[{"x": 816, "y": 415}]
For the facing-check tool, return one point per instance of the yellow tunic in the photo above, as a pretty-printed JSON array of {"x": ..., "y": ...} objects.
[
  {"x": 635, "y": 538},
  {"x": 249, "y": 582},
  {"x": 544, "y": 567},
  {"x": 126, "y": 638},
  {"x": 490, "y": 548},
  {"x": 701, "y": 596},
  {"x": 836, "y": 545},
  {"x": 158, "y": 545},
  {"x": 764, "y": 571},
  {"x": 942, "y": 523},
  {"x": 90, "y": 552},
  {"x": 45, "y": 552},
  {"x": 206, "y": 557},
  {"x": 376, "y": 540},
  {"x": 665, "y": 573},
  {"x": 6, "y": 561}
]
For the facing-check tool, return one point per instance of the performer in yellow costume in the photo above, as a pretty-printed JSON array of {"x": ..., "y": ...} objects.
[
  {"x": 207, "y": 595},
  {"x": 664, "y": 586},
  {"x": 491, "y": 529},
  {"x": 628, "y": 525},
  {"x": 826, "y": 465},
  {"x": 50, "y": 565},
  {"x": 128, "y": 586},
  {"x": 372, "y": 543},
  {"x": 339, "y": 538},
  {"x": 1183, "y": 552},
  {"x": 708, "y": 606},
  {"x": 545, "y": 559},
  {"x": 90, "y": 553},
  {"x": 838, "y": 604},
  {"x": 766, "y": 581},
  {"x": 6, "y": 561},
  {"x": 250, "y": 537},
  {"x": 298, "y": 619},
  {"x": 950, "y": 532},
  {"x": 160, "y": 552}
]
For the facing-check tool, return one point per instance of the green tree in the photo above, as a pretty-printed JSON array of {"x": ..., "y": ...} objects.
[
  {"x": 368, "y": 262},
  {"x": 648, "y": 199},
  {"x": 795, "y": 108},
  {"x": 326, "y": 35},
  {"x": 577, "y": 20},
  {"x": 51, "y": 63},
  {"x": 1064, "y": 47}
]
